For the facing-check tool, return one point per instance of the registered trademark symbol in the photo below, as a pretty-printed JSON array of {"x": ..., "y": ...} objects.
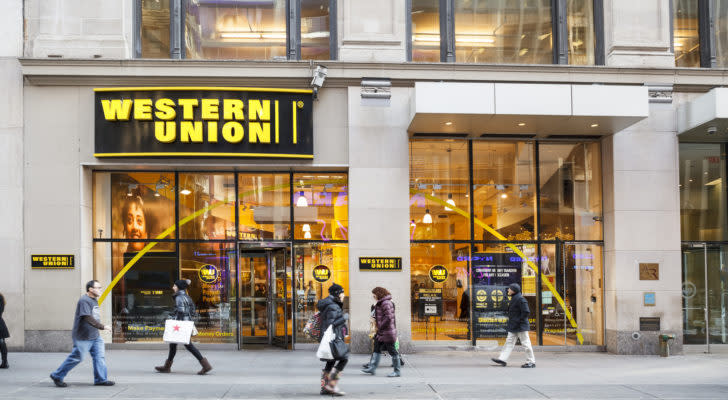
[{"x": 300, "y": 104}]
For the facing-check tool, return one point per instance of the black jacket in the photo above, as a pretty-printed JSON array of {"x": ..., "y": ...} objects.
[
  {"x": 331, "y": 314},
  {"x": 3, "y": 328},
  {"x": 184, "y": 306},
  {"x": 517, "y": 311}
]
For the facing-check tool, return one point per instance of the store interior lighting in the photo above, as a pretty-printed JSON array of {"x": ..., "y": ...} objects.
[
  {"x": 306, "y": 228},
  {"x": 450, "y": 201},
  {"x": 307, "y": 235},
  {"x": 301, "y": 202},
  {"x": 427, "y": 219}
]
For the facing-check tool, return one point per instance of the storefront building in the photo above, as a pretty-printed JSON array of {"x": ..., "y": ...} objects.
[{"x": 442, "y": 149}]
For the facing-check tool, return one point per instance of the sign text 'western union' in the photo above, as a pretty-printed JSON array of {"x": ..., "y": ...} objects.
[
  {"x": 52, "y": 261},
  {"x": 204, "y": 122},
  {"x": 380, "y": 263}
]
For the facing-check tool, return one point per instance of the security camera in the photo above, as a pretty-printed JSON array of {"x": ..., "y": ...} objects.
[
  {"x": 712, "y": 130},
  {"x": 319, "y": 76}
]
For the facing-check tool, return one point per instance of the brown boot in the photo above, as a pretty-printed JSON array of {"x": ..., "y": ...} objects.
[
  {"x": 333, "y": 386},
  {"x": 206, "y": 367},
  {"x": 324, "y": 382},
  {"x": 167, "y": 368}
]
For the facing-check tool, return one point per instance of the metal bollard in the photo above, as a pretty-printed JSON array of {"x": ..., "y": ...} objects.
[{"x": 665, "y": 345}]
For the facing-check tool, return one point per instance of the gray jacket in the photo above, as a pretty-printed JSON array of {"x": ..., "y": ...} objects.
[{"x": 184, "y": 306}]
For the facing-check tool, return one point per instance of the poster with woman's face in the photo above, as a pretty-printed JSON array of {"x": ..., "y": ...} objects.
[{"x": 142, "y": 206}]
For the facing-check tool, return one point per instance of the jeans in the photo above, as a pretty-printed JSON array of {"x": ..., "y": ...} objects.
[
  {"x": 511, "y": 342},
  {"x": 80, "y": 348}
]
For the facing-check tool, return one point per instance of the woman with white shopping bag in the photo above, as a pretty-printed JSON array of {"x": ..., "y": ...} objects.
[
  {"x": 184, "y": 308},
  {"x": 332, "y": 349}
]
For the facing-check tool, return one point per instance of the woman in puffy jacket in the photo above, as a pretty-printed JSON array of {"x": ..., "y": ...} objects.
[
  {"x": 386, "y": 335},
  {"x": 184, "y": 307},
  {"x": 332, "y": 314}
]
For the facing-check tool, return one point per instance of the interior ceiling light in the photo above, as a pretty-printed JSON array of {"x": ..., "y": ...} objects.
[
  {"x": 504, "y": 196},
  {"x": 594, "y": 125},
  {"x": 185, "y": 192},
  {"x": 307, "y": 235},
  {"x": 301, "y": 202},
  {"x": 448, "y": 123},
  {"x": 521, "y": 124},
  {"x": 427, "y": 219},
  {"x": 306, "y": 228},
  {"x": 450, "y": 201},
  {"x": 413, "y": 224},
  {"x": 156, "y": 194}
]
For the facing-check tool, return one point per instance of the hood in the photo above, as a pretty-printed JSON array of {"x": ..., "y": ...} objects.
[
  {"x": 387, "y": 297},
  {"x": 515, "y": 287},
  {"x": 325, "y": 302}
]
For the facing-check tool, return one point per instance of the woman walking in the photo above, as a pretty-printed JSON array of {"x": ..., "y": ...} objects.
[
  {"x": 386, "y": 335},
  {"x": 4, "y": 334},
  {"x": 332, "y": 314},
  {"x": 184, "y": 308}
]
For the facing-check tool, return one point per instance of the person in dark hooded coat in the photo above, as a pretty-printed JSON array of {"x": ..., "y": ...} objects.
[
  {"x": 4, "y": 334},
  {"x": 517, "y": 328},
  {"x": 332, "y": 314},
  {"x": 386, "y": 335}
]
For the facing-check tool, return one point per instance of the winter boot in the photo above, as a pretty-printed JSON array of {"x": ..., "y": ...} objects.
[
  {"x": 333, "y": 386},
  {"x": 324, "y": 381},
  {"x": 373, "y": 364},
  {"x": 166, "y": 368},
  {"x": 206, "y": 367},
  {"x": 395, "y": 364},
  {"x": 4, "y": 352}
]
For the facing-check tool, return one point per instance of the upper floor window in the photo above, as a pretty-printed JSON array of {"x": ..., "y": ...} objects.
[
  {"x": 237, "y": 29},
  {"x": 700, "y": 33},
  {"x": 505, "y": 31}
]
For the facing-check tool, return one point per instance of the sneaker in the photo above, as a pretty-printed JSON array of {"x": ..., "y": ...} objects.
[
  {"x": 499, "y": 361},
  {"x": 105, "y": 383},
  {"x": 528, "y": 365},
  {"x": 58, "y": 382}
]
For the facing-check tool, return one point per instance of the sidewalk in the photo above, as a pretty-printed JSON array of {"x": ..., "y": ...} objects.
[{"x": 278, "y": 374}]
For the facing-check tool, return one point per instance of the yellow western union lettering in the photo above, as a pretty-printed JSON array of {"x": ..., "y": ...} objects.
[
  {"x": 233, "y": 109},
  {"x": 277, "y": 122},
  {"x": 117, "y": 110},
  {"x": 259, "y": 132},
  {"x": 233, "y": 132},
  {"x": 191, "y": 131},
  {"x": 212, "y": 131},
  {"x": 165, "y": 109},
  {"x": 188, "y": 108},
  {"x": 165, "y": 135},
  {"x": 295, "y": 124},
  {"x": 209, "y": 109},
  {"x": 143, "y": 109},
  {"x": 259, "y": 110}
]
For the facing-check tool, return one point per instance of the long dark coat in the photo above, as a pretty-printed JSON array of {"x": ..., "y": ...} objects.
[
  {"x": 384, "y": 316},
  {"x": 517, "y": 311},
  {"x": 4, "y": 334}
]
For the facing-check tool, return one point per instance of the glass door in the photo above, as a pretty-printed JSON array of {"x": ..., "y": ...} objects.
[
  {"x": 705, "y": 294},
  {"x": 280, "y": 300}
]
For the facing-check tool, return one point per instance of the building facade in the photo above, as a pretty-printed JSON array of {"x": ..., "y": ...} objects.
[{"x": 442, "y": 149}]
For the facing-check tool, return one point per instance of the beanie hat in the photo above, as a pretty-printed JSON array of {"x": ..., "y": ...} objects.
[
  {"x": 515, "y": 287},
  {"x": 182, "y": 284},
  {"x": 335, "y": 290}
]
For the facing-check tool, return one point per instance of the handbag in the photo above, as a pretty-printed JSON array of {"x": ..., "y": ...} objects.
[
  {"x": 339, "y": 349},
  {"x": 324, "y": 349},
  {"x": 178, "y": 331}
]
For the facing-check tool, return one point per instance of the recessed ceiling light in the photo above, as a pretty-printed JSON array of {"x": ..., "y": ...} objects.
[
  {"x": 185, "y": 191},
  {"x": 448, "y": 123},
  {"x": 594, "y": 125},
  {"x": 521, "y": 124},
  {"x": 504, "y": 196}
]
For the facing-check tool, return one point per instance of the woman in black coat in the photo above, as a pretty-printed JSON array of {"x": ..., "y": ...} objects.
[
  {"x": 332, "y": 314},
  {"x": 4, "y": 334}
]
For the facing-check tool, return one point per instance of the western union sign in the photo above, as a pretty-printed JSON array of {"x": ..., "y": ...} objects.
[
  {"x": 52, "y": 261},
  {"x": 203, "y": 122}
]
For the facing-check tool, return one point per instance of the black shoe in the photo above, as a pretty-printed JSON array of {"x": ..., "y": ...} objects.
[
  {"x": 105, "y": 383},
  {"x": 499, "y": 361},
  {"x": 528, "y": 365},
  {"x": 58, "y": 382}
]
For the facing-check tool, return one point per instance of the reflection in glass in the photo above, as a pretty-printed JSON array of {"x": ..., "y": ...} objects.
[
  {"x": 699, "y": 295},
  {"x": 211, "y": 268},
  {"x": 155, "y": 29},
  {"x": 426, "y": 30},
  {"x": 308, "y": 289},
  {"x": 264, "y": 206},
  {"x": 315, "y": 30},
  {"x": 703, "y": 214},
  {"x": 685, "y": 33},
  {"x": 503, "y": 31},
  {"x": 571, "y": 196},
  {"x": 235, "y": 30},
  {"x": 580, "y": 21},
  {"x": 504, "y": 186},
  {"x": 213, "y": 197},
  {"x": 439, "y": 180},
  {"x": 721, "y": 33},
  {"x": 321, "y": 206}
]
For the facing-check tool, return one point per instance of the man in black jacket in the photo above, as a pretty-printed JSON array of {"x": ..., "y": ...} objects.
[{"x": 517, "y": 328}]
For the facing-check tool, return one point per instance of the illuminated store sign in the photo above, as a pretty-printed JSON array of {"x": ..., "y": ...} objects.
[
  {"x": 208, "y": 274},
  {"x": 203, "y": 122},
  {"x": 438, "y": 274},
  {"x": 52, "y": 261},
  {"x": 380, "y": 263},
  {"x": 321, "y": 273}
]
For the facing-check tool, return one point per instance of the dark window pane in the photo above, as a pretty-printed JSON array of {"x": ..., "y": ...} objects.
[{"x": 425, "y": 30}]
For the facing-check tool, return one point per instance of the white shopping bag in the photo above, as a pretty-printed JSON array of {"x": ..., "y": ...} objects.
[
  {"x": 178, "y": 331},
  {"x": 324, "y": 349}
]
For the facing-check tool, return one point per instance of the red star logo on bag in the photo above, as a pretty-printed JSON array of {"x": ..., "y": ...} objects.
[{"x": 176, "y": 328}]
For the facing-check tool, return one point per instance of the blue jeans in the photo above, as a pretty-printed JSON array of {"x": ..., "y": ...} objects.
[{"x": 80, "y": 348}]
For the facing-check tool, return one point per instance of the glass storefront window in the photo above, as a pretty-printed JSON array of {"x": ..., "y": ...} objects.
[
  {"x": 571, "y": 195},
  {"x": 207, "y": 206},
  {"x": 703, "y": 211},
  {"x": 321, "y": 206},
  {"x": 315, "y": 30},
  {"x": 426, "y": 30},
  {"x": 264, "y": 206},
  {"x": 721, "y": 32},
  {"x": 580, "y": 21},
  {"x": 686, "y": 38},
  {"x": 235, "y": 30},
  {"x": 503, "y": 32},
  {"x": 439, "y": 180},
  {"x": 155, "y": 28},
  {"x": 504, "y": 189},
  {"x": 699, "y": 295},
  {"x": 311, "y": 287}
]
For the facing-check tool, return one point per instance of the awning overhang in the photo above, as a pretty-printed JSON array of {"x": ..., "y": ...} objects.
[
  {"x": 476, "y": 109},
  {"x": 704, "y": 119}
]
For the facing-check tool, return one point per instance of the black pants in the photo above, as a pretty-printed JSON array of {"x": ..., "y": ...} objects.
[
  {"x": 340, "y": 364},
  {"x": 190, "y": 347},
  {"x": 379, "y": 347},
  {"x": 3, "y": 351}
]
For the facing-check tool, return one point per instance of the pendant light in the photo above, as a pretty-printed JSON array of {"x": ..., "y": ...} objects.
[
  {"x": 450, "y": 201},
  {"x": 427, "y": 219},
  {"x": 306, "y": 228},
  {"x": 307, "y": 235},
  {"x": 301, "y": 202}
]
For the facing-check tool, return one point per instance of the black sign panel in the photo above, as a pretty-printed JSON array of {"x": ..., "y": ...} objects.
[
  {"x": 429, "y": 302},
  {"x": 650, "y": 324},
  {"x": 380, "y": 263},
  {"x": 492, "y": 273},
  {"x": 52, "y": 261},
  {"x": 438, "y": 273},
  {"x": 204, "y": 122},
  {"x": 321, "y": 273}
]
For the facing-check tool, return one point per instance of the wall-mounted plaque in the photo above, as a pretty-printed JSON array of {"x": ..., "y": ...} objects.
[
  {"x": 649, "y": 271},
  {"x": 649, "y": 299},
  {"x": 52, "y": 261},
  {"x": 380, "y": 263},
  {"x": 650, "y": 324}
]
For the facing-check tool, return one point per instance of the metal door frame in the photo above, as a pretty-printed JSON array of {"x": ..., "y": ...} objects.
[{"x": 706, "y": 308}]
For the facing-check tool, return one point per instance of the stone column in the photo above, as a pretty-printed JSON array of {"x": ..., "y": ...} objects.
[
  {"x": 637, "y": 33},
  {"x": 372, "y": 31}
]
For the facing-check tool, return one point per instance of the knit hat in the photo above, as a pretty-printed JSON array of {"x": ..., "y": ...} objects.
[
  {"x": 182, "y": 284},
  {"x": 516, "y": 288},
  {"x": 335, "y": 290}
]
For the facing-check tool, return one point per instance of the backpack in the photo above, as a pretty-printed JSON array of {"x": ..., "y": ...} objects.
[{"x": 313, "y": 327}]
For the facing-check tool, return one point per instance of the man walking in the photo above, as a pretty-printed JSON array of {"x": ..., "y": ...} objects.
[
  {"x": 517, "y": 328},
  {"x": 86, "y": 338}
]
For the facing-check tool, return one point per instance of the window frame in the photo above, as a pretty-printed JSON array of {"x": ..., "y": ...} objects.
[
  {"x": 177, "y": 10},
  {"x": 559, "y": 29},
  {"x": 706, "y": 32}
]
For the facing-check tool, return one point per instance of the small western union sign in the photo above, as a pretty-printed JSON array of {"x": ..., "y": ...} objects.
[
  {"x": 380, "y": 263},
  {"x": 52, "y": 261}
]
